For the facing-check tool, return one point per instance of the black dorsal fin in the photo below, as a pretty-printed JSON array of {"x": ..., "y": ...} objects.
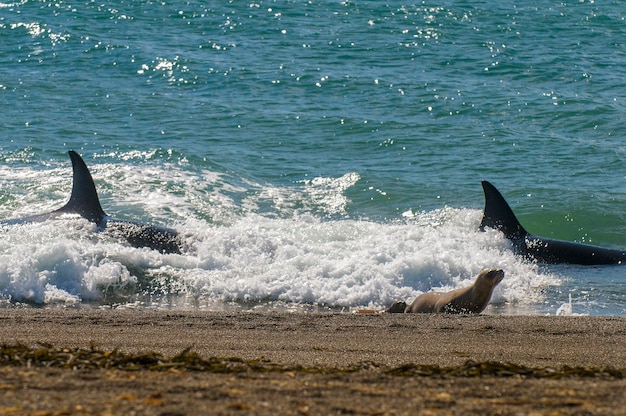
[
  {"x": 84, "y": 199},
  {"x": 499, "y": 215}
]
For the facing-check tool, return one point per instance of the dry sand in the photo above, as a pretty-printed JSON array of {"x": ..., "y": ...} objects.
[{"x": 317, "y": 363}]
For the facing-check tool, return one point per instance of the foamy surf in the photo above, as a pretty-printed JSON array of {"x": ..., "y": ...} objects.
[
  {"x": 248, "y": 245},
  {"x": 256, "y": 260}
]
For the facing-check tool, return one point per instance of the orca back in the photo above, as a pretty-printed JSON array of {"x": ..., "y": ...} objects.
[
  {"x": 499, "y": 215},
  {"x": 84, "y": 199}
]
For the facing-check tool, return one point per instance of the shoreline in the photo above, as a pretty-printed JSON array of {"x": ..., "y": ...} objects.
[
  {"x": 315, "y": 363},
  {"x": 329, "y": 338}
]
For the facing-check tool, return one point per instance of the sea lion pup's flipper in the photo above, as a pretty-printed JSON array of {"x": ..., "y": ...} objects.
[{"x": 397, "y": 307}]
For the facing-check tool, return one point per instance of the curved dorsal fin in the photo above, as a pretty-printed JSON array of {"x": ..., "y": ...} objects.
[
  {"x": 499, "y": 215},
  {"x": 84, "y": 199}
]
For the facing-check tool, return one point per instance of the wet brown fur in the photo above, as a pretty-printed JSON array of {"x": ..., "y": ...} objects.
[{"x": 471, "y": 299}]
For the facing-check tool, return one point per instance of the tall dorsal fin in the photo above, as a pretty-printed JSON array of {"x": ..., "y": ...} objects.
[
  {"x": 499, "y": 215},
  {"x": 84, "y": 199}
]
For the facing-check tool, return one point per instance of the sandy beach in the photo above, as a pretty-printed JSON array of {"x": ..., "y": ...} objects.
[{"x": 311, "y": 363}]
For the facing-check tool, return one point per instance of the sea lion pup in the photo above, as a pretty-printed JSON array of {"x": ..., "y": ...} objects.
[{"x": 471, "y": 299}]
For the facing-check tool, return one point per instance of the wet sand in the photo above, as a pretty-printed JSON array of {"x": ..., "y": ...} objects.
[{"x": 319, "y": 363}]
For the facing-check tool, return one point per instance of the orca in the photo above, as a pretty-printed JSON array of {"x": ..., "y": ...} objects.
[
  {"x": 499, "y": 215},
  {"x": 84, "y": 201}
]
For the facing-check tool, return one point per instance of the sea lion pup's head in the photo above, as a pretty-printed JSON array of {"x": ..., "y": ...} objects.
[{"x": 489, "y": 278}]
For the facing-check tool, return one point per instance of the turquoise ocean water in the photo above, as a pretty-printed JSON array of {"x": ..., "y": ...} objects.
[{"x": 318, "y": 155}]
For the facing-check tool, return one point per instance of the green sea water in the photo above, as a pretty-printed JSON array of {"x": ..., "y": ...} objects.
[{"x": 313, "y": 152}]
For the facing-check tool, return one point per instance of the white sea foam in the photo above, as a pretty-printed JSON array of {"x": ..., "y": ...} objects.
[
  {"x": 344, "y": 263},
  {"x": 293, "y": 256},
  {"x": 353, "y": 263},
  {"x": 567, "y": 309}
]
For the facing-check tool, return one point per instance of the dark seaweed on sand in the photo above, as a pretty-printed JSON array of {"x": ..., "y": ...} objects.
[{"x": 46, "y": 355}]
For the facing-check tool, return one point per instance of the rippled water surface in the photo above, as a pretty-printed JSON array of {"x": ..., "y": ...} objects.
[{"x": 312, "y": 153}]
